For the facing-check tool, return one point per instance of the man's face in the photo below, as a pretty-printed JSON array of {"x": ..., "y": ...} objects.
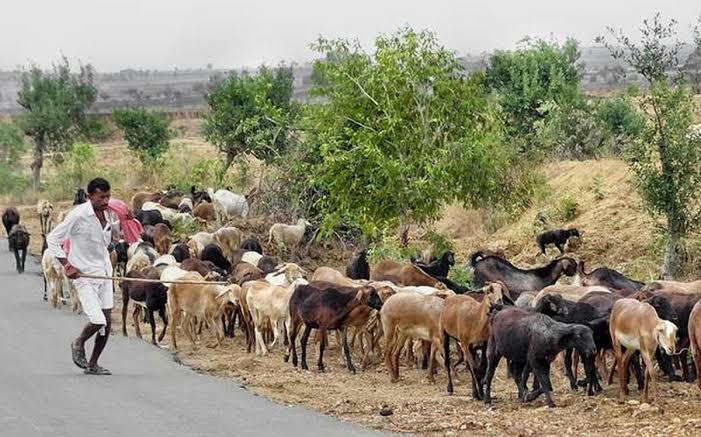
[{"x": 100, "y": 199}]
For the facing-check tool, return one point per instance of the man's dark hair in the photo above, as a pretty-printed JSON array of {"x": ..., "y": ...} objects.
[{"x": 98, "y": 184}]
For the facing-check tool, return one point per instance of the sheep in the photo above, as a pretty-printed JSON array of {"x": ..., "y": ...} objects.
[
  {"x": 214, "y": 254},
  {"x": 694, "y": 329},
  {"x": 493, "y": 269},
  {"x": 228, "y": 239},
  {"x": 228, "y": 205},
  {"x": 251, "y": 244},
  {"x": 198, "y": 241},
  {"x": 411, "y": 315},
  {"x": 180, "y": 252},
  {"x": 607, "y": 278},
  {"x": 10, "y": 217},
  {"x": 205, "y": 302},
  {"x": 359, "y": 268},
  {"x": 55, "y": 278},
  {"x": 45, "y": 210},
  {"x": 287, "y": 236},
  {"x": 285, "y": 274},
  {"x": 636, "y": 326},
  {"x": 569, "y": 292},
  {"x": 558, "y": 237},
  {"x": 531, "y": 341},
  {"x": 440, "y": 267},
  {"x": 325, "y": 306},
  {"x": 18, "y": 239},
  {"x": 403, "y": 274},
  {"x": 269, "y": 303},
  {"x": 152, "y": 296},
  {"x": 467, "y": 321}
]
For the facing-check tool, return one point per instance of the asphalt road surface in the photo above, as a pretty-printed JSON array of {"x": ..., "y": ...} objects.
[{"x": 42, "y": 393}]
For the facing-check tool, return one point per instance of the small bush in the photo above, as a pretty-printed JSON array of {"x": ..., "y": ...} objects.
[
  {"x": 568, "y": 208},
  {"x": 98, "y": 130},
  {"x": 461, "y": 275},
  {"x": 571, "y": 132},
  {"x": 597, "y": 187},
  {"x": 13, "y": 183},
  {"x": 621, "y": 121},
  {"x": 147, "y": 133},
  {"x": 390, "y": 248}
]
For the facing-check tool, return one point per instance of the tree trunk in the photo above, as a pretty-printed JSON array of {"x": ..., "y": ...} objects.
[
  {"x": 227, "y": 164},
  {"x": 404, "y": 229},
  {"x": 36, "y": 166},
  {"x": 670, "y": 264}
]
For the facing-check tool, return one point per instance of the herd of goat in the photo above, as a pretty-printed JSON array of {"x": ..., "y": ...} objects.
[{"x": 393, "y": 309}]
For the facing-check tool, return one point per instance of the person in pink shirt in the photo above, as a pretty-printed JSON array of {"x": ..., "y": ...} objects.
[{"x": 130, "y": 227}]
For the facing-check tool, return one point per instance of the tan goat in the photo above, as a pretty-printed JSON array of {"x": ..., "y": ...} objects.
[
  {"x": 467, "y": 320},
  {"x": 695, "y": 339},
  {"x": 636, "y": 326},
  {"x": 205, "y": 302},
  {"x": 229, "y": 239},
  {"x": 569, "y": 292}
]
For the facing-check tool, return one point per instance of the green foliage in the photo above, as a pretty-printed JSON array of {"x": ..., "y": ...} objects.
[
  {"x": 390, "y": 248},
  {"x": 252, "y": 114},
  {"x": 529, "y": 77},
  {"x": 570, "y": 132},
  {"x": 56, "y": 103},
  {"x": 183, "y": 229},
  {"x": 147, "y": 133},
  {"x": 98, "y": 130},
  {"x": 621, "y": 121},
  {"x": 568, "y": 208},
  {"x": 438, "y": 242},
  {"x": 12, "y": 144},
  {"x": 400, "y": 132},
  {"x": 12, "y": 183},
  {"x": 461, "y": 274},
  {"x": 597, "y": 187},
  {"x": 666, "y": 160},
  {"x": 76, "y": 169}
]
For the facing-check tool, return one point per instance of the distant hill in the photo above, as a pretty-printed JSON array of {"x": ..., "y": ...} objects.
[{"x": 184, "y": 90}]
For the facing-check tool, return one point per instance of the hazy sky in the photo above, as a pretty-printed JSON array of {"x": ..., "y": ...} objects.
[{"x": 116, "y": 34}]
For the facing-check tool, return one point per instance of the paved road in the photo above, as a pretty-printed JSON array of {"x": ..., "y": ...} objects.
[{"x": 42, "y": 393}]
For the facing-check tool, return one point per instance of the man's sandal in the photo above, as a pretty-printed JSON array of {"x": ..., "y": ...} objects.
[
  {"x": 97, "y": 370},
  {"x": 79, "y": 357}
]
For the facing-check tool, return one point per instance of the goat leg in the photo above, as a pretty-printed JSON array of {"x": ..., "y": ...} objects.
[
  {"x": 322, "y": 346},
  {"x": 493, "y": 359},
  {"x": 446, "y": 361},
  {"x": 152, "y": 322},
  {"x": 305, "y": 338},
  {"x": 568, "y": 369},
  {"x": 349, "y": 360},
  {"x": 164, "y": 317}
]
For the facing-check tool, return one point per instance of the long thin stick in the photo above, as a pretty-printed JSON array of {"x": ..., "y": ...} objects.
[{"x": 153, "y": 281}]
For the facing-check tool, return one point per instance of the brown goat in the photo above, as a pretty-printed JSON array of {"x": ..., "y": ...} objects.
[
  {"x": 204, "y": 212},
  {"x": 138, "y": 199},
  {"x": 403, "y": 274},
  {"x": 695, "y": 339},
  {"x": 636, "y": 326},
  {"x": 162, "y": 238},
  {"x": 467, "y": 320},
  {"x": 244, "y": 272}
]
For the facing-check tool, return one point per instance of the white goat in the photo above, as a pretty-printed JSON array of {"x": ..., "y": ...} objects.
[
  {"x": 288, "y": 236},
  {"x": 228, "y": 205}
]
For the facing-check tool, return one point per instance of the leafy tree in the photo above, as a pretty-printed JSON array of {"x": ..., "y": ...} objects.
[
  {"x": 538, "y": 73},
  {"x": 56, "y": 103},
  {"x": 251, "y": 114},
  {"x": 147, "y": 132},
  {"x": 621, "y": 121},
  {"x": 400, "y": 132},
  {"x": 666, "y": 161},
  {"x": 12, "y": 144}
]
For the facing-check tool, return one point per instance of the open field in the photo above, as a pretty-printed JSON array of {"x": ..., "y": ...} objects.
[{"x": 615, "y": 232}]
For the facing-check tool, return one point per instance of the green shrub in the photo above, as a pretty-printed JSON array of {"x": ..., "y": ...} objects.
[
  {"x": 182, "y": 229},
  {"x": 460, "y": 273},
  {"x": 147, "y": 133},
  {"x": 389, "y": 247},
  {"x": 568, "y": 208},
  {"x": 621, "y": 121},
  {"x": 98, "y": 130},
  {"x": 438, "y": 242},
  {"x": 570, "y": 132},
  {"x": 597, "y": 187},
  {"x": 13, "y": 183}
]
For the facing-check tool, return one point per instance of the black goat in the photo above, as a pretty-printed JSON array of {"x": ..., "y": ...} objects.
[
  {"x": 180, "y": 252},
  {"x": 268, "y": 264},
  {"x": 457, "y": 288},
  {"x": 19, "y": 242},
  {"x": 582, "y": 313},
  {"x": 80, "y": 197},
  {"x": 531, "y": 341},
  {"x": 149, "y": 218},
  {"x": 608, "y": 278},
  {"x": 252, "y": 244},
  {"x": 10, "y": 217},
  {"x": 359, "y": 268},
  {"x": 558, "y": 237},
  {"x": 214, "y": 254},
  {"x": 493, "y": 269},
  {"x": 121, "y": 250},
  {"x": 199, "y": 196},
  {"x": 153, "y": 296},
  {"x": 439, "y": 267}
]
